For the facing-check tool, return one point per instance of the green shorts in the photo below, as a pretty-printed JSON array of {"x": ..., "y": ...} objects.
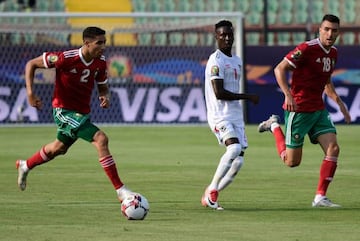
[
  {"x": 72, "y": 125},
  {"x": 297, "y": 125}
]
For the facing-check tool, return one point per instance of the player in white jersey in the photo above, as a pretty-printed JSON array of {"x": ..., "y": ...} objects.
[{"x": 224, "y": 111}]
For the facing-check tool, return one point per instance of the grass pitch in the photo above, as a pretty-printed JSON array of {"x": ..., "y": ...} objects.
[{"x": 70, "y": 198}]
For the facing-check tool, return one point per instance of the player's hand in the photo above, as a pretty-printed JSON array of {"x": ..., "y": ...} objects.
[
  {"x": 104, "y": 101},
  {"x": 35, "y": 101},
  {"x": 290, "y": 104}
]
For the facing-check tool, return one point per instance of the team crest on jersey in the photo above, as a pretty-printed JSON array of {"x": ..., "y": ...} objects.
[
  {"x": 52, "y": 58},
  {"x": 214, "y": 70},
  {"x": 296, "y": 55}
]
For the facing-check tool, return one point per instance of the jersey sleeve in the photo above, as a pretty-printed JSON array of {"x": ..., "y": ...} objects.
[
  {"x": 52, "y": 59},
  {"x": 295, "y": 56},
  {"x": 216, "y": 70},
  {"x": 101, "y": 76}
]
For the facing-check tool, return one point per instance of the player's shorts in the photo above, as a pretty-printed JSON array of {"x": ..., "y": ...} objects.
[
  {"x": 314, "y": 124},
  {"x": 72, "y": 125},
  {"x": 225, "y": 130}
]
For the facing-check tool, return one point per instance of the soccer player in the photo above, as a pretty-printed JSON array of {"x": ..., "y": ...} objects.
[
  {"x": 224, "y": 111},
  {"x": 77, "y": 71},
  {"x": 312, "y": 64}
]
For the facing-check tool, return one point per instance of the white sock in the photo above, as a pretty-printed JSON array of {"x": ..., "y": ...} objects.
[
  {"x": 318, "y": 197},
  {"x": 123, "y": 192},
  {"x": 230, "y": 175},
  {"x": 232, "y": 151}
]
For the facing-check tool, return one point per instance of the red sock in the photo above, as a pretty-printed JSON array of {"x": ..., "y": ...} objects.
[
  {"x": 38, "y": 158},
  {"x": 109, "y": 166},
  {"x": 279, "y": 141},
  {"x": 327, "y": 172}
]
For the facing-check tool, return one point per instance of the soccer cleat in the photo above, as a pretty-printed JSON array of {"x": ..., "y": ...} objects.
[
  {"x": 123, "y": 193},
  {"x": 220, "y": 208},
  {"x": 209, "y": 199},
  {"x": 325, "y": 202},
  {"x": 22, "y": 173},
  {"x": 266, "y": 125}
]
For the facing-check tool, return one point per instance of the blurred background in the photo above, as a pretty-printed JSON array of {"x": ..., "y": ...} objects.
[{"x": 157, "y": 52}]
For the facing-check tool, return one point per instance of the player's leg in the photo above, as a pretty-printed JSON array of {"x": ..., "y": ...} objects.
[
  {"x": 226, "y": 135},
  {"x": 289, "y": 146},
  {"x": 328, "y": 142},
  {"x": 232, "y": 172},
  {"x": 99, "y": 139},
  {"x": 237, "y": 163},
  {"x": 272, "y": 124},
  {"x": 45, "y": 154},
  {"x": 48, "y": 151}
]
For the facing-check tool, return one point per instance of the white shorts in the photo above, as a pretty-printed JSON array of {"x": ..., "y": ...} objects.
[{"x": 225, "y": 130}]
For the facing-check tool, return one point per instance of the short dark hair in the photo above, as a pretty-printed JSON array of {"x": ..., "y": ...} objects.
[
  {"x": 223, "y": 23},
  {"x": 92, "y": 32},
  {"x": 331, "y": 18}
]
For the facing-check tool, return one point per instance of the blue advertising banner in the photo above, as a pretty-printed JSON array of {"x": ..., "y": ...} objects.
[{"x": 165, "y": 85}]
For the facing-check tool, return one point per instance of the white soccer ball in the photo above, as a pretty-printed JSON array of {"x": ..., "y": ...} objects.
[{"x": 135, "y": 207}]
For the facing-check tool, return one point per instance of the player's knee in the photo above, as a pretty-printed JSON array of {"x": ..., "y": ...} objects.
[
  {"x": 234, "y": 150},
  {"x": 334, "y": 149},
  {"x": 101, "y": 139},
  {"x": 59, "y": 150},
  {"x": 292, "y": 163}
]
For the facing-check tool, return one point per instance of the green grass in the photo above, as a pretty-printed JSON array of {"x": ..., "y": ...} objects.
[{"x": 70, "y": 198}]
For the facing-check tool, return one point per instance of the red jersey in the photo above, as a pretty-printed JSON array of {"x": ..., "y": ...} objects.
[
  {"x": 313, "y": 68},
  {"x": 75, "y": 79}
]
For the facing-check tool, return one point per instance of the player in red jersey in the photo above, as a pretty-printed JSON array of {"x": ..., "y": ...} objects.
[
  {"x": 77, "y": 71},
  {"x": 312, "y": 64}
]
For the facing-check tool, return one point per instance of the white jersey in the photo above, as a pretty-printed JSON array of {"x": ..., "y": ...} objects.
[{"x": 221, "y": 66}]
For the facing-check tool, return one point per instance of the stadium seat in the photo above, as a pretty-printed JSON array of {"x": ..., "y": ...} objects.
[
  {"x": 184, "y": 6},
  {"x": 272, "y": 17},
  {"x": 242, "y": 5},
  {"x": 283, "y": 38},
  {"x": 154, "y": 6},
  {"x": 228, "y": 6},
  {"x": 349, "y": 4},
  {"x": 285, "y": 17},
  {"x": 169, "y": 6},
  {"x": 257, "y": 6},
  {"x": 333, "y": 7},
  {"x": 285, "y": 6},
  {"x": 58, "y": 6},
  {"x": 160, "y": 39},
  {"x": 271, "y": 39},
  {"x": 138, "y": 5},
  {"x": 317, "y": 7},
  {"x": 191, "y": 39},
  {"x": 252, "y": 39},
  {"x": 348, "y": 38},
  {"x": 299, "y": 38},
  {"x": 301, "y": 6},
  {"x": 2, "y": 7},
  {"x": 273, "y": 6},
  {"x": 175, "y": 38},
  {"x": 253, "y": 18},
  {"x": 42, "y": 5},
  {"x": 144, "y": 39},
  {"x": 300, "y": 17}
]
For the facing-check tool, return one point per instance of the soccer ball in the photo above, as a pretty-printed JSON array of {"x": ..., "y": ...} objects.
[{"x": 135, "y": 207}]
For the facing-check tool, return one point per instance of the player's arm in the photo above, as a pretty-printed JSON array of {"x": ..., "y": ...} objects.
[
  {"x": 331, "y": 92},
  {"x": 104, "y": 95},
  {"x": 280, "y": 72},
  {"x": 30, "y": 68},
  {"x": 222, "y": 94}
]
